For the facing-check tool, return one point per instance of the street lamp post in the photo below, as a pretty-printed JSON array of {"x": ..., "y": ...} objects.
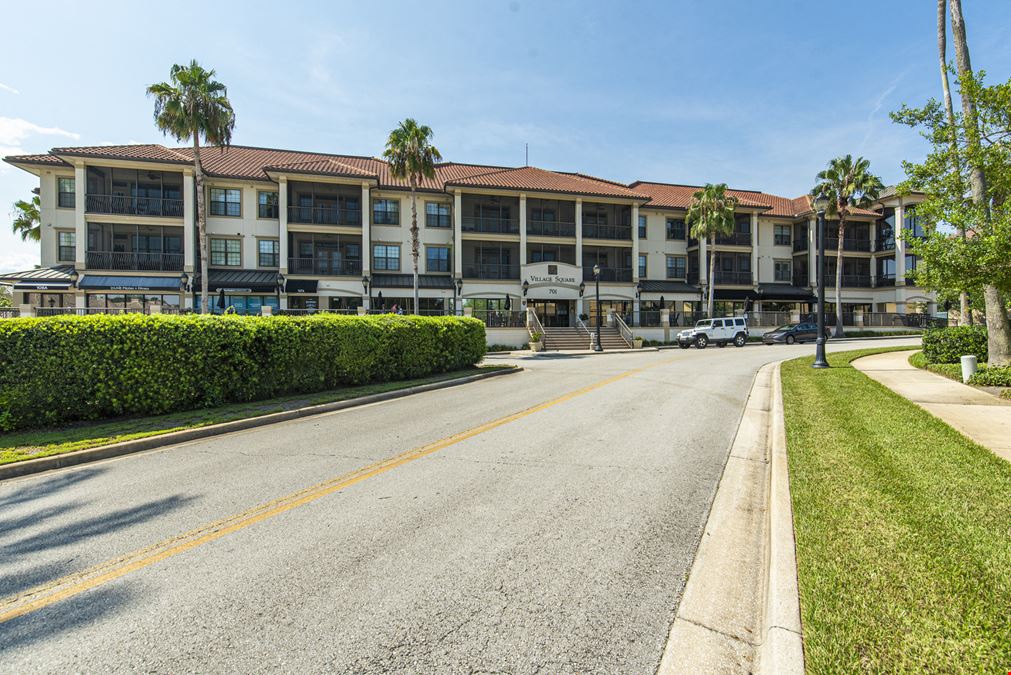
[
  {"x": 458, "y": 309},
  {"x": 279, "y": 283},
  {"x": 366, "y": 298},
  {"x": 596, "y": 277},
  {"x": 820, "y": 205}
]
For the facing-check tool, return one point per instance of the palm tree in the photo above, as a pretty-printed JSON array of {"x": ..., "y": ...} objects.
[
  {"x": 27, "y": 222},
  {"x": 412, "y": 156},
  {"x": 711, "y": 214},
  {"x": 190, "y": 106},
  {"x": 846, "y": 184}
]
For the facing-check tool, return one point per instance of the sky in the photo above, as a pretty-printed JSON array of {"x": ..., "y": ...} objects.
[{"x": 757, "y": 94}]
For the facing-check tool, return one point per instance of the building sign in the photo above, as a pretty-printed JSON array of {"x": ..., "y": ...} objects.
[{"x": 553, "y": 280}]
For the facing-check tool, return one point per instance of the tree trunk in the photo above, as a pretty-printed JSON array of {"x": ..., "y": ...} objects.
[
  {"x": 838, "y": 330},
  {"x": 712, "y": 274},
  {"x": 964, "y": 313},
  {"x": 415, "y": 244},
  {"x": 998, "y": 331},
  {"x": 198, "y": 176}
]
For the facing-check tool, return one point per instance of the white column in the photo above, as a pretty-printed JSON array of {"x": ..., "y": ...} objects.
[
  {"x": 523, "y": 229},
  {"x": 189, "y": 225},
  {"x": 900, "y": 246},
  {"x": 366, "y": 230},
  {"x": 457, "y": 234},
  {"x": 703, "y": 267},
  {"x": 812, "y": 251},
  {"x": 754, "y": 248},
  {"x": 80, "y": 224},
  {"x": 282, "y": 224},
  {"x": 579, "y": 233},
  {"x": 635, "y": 244}
]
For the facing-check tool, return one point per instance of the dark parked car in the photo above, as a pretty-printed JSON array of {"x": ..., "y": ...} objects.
[{"x": 792, "y": 332}]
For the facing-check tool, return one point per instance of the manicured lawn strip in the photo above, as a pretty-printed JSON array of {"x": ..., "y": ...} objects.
[
  {"x": 31, "y": 444},
  {"x": 903, "y": 528}
]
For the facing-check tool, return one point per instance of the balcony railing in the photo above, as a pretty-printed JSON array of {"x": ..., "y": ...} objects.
[
  {"x": 849, "y": 280},
  {"x": 550, "y": 228},
  {"x": 615, "y": 232},
  {"x": 494, "y": 318},
  {"x": 884, "y": 280},
  {"x": 832, "y": 244},
  {"x": 491, "y": 271},
  {"x": 799, "y": 245},
  {"x": 324, "y": 215},
  {"x": 735, "y": 239},
  {"x": 739, "y": 278},
  {"x": 134, "y": 206},
  {"x": 324, "y": 267},
  {"x": 619, "y": 274},
  {"x": 115, "y": 260},
  {"x": 488, "y": 225},
  {"x": 885, "y": 245}
]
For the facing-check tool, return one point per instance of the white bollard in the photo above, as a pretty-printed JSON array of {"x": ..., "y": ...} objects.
[{"x": 968, "y": 367}]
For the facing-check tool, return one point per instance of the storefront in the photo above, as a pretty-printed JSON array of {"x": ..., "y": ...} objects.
[{"x": 131, "y": 293}]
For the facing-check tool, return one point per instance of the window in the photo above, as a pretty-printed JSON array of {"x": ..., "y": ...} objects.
[
  {"x": 642, "y": 227},
  {"x": 676, "y": 267},
  {"x": 437, "y": 215},
  {"x": 65, "y": 193},
  {"x": 642, "y": 264},
  {"x": 268, "y": 253},
  {"x": 781, "y": 235},
  {"x": 437, "y": 258},
  {"x": 226, "y": 252},
  {"x": 386, "y": 257},
  {"x": 783, "y": 270},
  {"x": 266, "y": 205},
  {"x": 386, "y": 212},
  {"x": 226, "y": 202},
  {"x": 675, "y": 228},
  {"x": 67, "y": 246}
]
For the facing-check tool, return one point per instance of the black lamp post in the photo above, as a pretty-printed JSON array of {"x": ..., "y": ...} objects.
[
  {"x": 596, "y": 277},
  {"x": 365, "y": 291},
  {"x": 458, "y": 309},
  {"x": 820, "y": 205},
  {"x": 279, "y": 283}
]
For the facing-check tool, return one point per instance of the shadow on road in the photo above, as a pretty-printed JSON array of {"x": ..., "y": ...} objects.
[{"x": 25, "y": 491}]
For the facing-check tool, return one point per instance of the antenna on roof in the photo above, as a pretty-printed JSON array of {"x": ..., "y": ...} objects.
[{"x": 526, "y": 154}]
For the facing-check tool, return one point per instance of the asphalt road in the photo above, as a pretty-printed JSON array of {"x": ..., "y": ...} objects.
[{"x": 524, "y": 538}]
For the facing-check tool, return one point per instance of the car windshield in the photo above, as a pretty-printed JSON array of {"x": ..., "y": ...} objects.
[
  {"x": 703, "y": 324},
  {"x": 786, "y": 327}
]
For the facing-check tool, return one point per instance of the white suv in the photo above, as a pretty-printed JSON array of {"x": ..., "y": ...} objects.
[{"x": 732, "y": 329}]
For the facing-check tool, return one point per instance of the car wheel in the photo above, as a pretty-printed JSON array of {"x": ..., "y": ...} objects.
[
  {"x": 790, "y": 339},
  {"x": 701, "y": 342},
  {"x": 740, "y": 339}
]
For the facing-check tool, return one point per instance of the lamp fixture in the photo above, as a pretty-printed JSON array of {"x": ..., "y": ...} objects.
[
  {"x": 582, "y": 288},
  {"x": 526, "y": 287}
]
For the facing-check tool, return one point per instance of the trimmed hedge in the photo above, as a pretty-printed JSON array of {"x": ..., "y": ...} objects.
[
  {"x": 59, "y": 369},
  {"x": 992, "y": 377},
  {"x": 947, "y": 345}
]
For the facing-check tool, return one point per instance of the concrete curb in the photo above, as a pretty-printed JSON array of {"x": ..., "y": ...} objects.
[
  {"x": 32, "y": 466},
  {"x": 782, "y": 649}
]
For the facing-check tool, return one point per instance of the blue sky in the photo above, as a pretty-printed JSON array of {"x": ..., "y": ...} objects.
[{"x": 759, "y": 94}]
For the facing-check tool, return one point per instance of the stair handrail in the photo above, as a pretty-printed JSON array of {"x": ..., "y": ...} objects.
[
  {"x": 534, "y": 324},
  {"x": 624, "y": 330},
  {"x": 582, "y": 327}
]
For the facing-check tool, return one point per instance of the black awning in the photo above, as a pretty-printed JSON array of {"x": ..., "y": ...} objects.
[
  {"x": 735, "y": 294},
  {"x": 785, "y": 292},
  {"x": 239, "y": 281},
  {"x": 39, "y": 285},
  {"x": 301, "y": 286},
  {"x": 666, "y": 286},
  {"x": 407, "y": 281},
  {"x": 125, "y": 283}
]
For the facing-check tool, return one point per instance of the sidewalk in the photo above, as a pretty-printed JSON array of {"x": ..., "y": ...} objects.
[{"x": 983, "y": 418}]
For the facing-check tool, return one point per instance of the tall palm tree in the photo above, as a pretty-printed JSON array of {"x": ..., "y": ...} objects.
[
  {"x": 27, "y": 222},
  {"x": 846, "y": 184},
  {"x": 711, "y": 214},
  {"x": 191, "y": 105},
  {"x": 412, "y": 156}
]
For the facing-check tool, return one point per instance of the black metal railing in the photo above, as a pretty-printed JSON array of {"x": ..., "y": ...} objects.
[
  {"x": 134, "y": 206},
  {"x": 832, "y": 244},
  {"x": 494, "y": 318},
  {"x": 885, "y": 245},
  {"x": 799, "y": 245},
  {"x": 884, "y": 280},
  {"x": 491, "y": 271},
  {"x": 735, "y": 239},
  {"x": 489, "y": 225},
  {"x": 614, "y": 232},
  {"x": 739, "y": 278},
  {"x": 849, "y": 280},
  {"x": 324, "y": 215},
  {"x": 618, "y": 274},
  {"x": 550, "y": 228},
  {"x": 324, "y": 267},
  {"x": 9, "y": 312},
  {"x": 152, "y": 261}
]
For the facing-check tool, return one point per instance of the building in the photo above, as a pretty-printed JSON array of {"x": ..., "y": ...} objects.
[{"x": 306, "y": 231}]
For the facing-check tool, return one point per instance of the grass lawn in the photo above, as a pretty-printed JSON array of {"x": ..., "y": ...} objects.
[
  {"x": 30, "y": 444},
  {"x": 903, "y": 530}
]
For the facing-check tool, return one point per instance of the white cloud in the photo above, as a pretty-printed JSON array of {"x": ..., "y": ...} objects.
[
  {"x": 13, "y": 130},
  {"x": 16, "y": 261},
  {"x": 9, "y": 89}
]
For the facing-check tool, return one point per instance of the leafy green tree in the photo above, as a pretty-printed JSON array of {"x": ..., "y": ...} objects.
[
  {"x": 190, "y": 106},
  {"x": 26, "y": 221},
  {"x": 847, "y": 184},
  {"x": 412, "y": 156},
  {"x": 710, "y": 215},
  {"x": 6, "y": 297}
]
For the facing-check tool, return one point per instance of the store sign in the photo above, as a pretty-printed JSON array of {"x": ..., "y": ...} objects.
[{"x": 551, "y": 280}]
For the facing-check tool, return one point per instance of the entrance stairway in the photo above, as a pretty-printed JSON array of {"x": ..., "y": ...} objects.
[{"x": 566, "y": 339}]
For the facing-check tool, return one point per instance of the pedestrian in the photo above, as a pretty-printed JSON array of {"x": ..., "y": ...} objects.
[
  {"x": 399, "y": 310},
  {"x": 395, "y": 309}
]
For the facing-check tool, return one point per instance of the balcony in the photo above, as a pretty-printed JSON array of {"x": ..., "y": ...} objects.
[
  {"x": 324, "y": 215},
  {"x": 550, "y": 228},
  {"x": 490, "y": 225},
  {"x": 614, "y": 274},
  {"x": 730, "y": 277},
  {"x": 490, "y": 271},
  {"x": 800, "y": 245},
  {"x": 134, "y": 206},
  {"x": 735, "y": 239},
  {"x": 885, "y": 245},
  {"x": 884, "y": 281},
  {"x": 614, "y": 232},
  {"x": 115, "y": 260},
  {"x": 832, "y": 244},
  {"x": 324, "y": 267},
  {"x": 849, "y": 280}
]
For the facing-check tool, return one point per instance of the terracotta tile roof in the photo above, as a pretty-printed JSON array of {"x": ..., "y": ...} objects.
[
  {"x": 670, "y": 196},
  {"x": 541, "y": 180},
  {"x": 322, "y": 167},
  {"x": 49, "y": 160},
  {"x": 147, "y": 152}
]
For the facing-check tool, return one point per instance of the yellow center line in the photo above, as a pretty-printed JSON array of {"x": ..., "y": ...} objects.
[{"x": 67, "y": 587}]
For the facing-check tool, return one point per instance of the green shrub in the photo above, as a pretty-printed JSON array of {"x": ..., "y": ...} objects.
[
  {"x": 947, "y": 345},
  {"x": 59, "y": 369},
  {"x": 992, "y": 377}
]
